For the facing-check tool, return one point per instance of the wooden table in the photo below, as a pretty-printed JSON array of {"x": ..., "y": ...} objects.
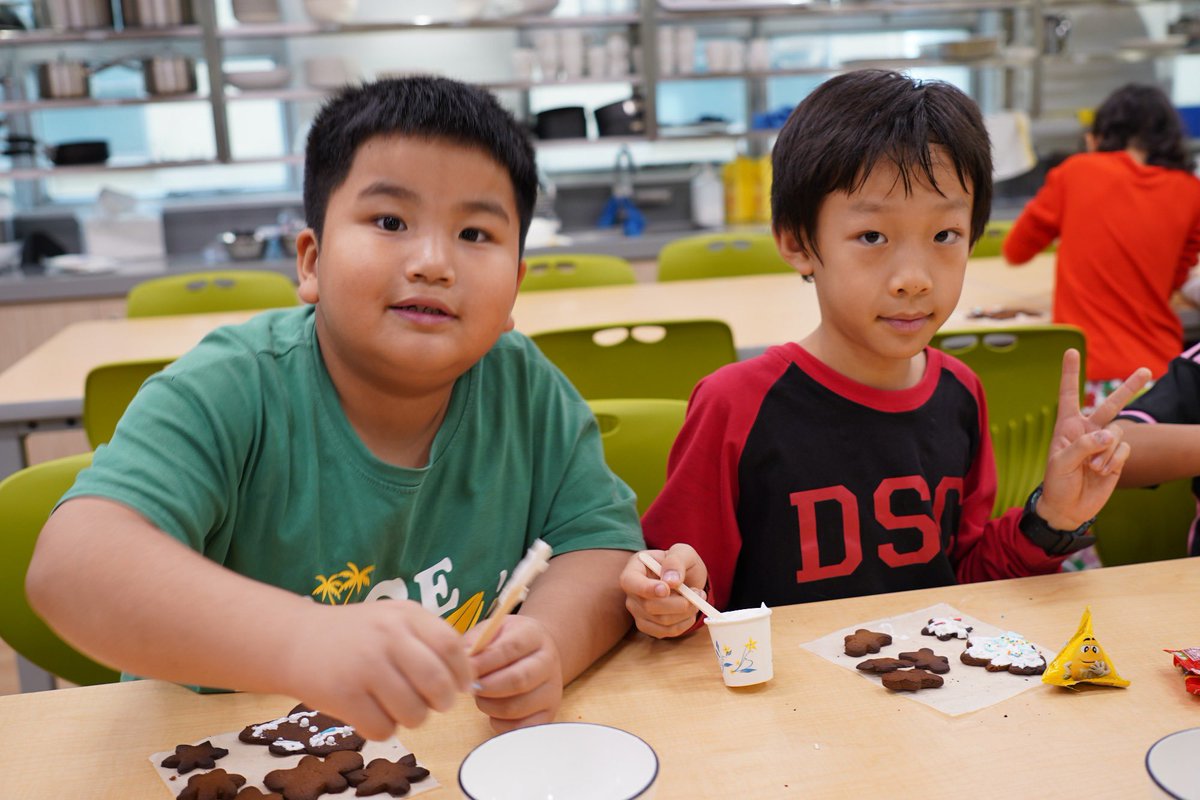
[
  {"x": 816, "y": 730},
  {"x": 44, "y": 390}
]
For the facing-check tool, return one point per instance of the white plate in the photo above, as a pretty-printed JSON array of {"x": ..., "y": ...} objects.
[
  {"x": 1172, "y": 763},
  {"x": 80, "y": 263},
  {"x": 576, "y": 760}
]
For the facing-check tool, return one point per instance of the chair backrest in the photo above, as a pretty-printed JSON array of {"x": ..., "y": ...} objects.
[
  {"x": 991, "y": 242},
  {"x": 1020, "y": 369},
  {"x": 641, "y": 359},
  {"x": 205, "y": 292},
  {"x": 108, "y": 390},
  {"x": 1149, "y": 524},
  {"x": 575, "y": 270},
  {"x": 26, "y": 499},
  {"x": 637, "y": 436},
  {"x": 720, "y": 255}
]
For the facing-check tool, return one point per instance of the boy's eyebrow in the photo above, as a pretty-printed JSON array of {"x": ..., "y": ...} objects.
[
  {"x": 399, "y": 192},
  {"x": 864, "y": 205}
]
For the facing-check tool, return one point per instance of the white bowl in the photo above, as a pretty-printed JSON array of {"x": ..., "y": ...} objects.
[
  {"x": 330, "y": 10},
  {"x": 10, "y": 254},
  {"x": 250, "y": 80},
  {"x": 576, "y": 760}
]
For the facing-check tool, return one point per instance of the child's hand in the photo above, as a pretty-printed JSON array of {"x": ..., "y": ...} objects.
[
  {"x": 657, "y": 609},
  {"x": 376, "y": 664},
  {"x": 520, "y": 674},
  {"x": 1086, "y": 452}
]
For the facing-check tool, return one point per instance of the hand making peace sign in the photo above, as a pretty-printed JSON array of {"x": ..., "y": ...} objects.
[{"x": 1086, "y": 452}]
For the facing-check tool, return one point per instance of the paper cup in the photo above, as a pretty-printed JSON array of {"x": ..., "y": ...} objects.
[{"x": 742, "y": 642}]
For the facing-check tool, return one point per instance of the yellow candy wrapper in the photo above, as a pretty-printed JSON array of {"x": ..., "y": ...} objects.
[{"x": 1083, "y": 660}]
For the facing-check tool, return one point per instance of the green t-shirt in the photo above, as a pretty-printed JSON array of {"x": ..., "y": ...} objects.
[{"x": 241, "y": 450}]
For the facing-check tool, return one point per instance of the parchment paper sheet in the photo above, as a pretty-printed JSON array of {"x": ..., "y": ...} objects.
[{"x": 966, "y": 688}]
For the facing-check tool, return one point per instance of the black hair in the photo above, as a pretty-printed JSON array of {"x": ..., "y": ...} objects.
[
  {"x": 419, "y": 106},
  {"x": 848, "y": 124},
  {"x": 1142, "y": 116}
]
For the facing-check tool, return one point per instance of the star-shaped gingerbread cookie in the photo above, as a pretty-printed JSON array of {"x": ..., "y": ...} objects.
[
  {"x": 194, "y": 756},
  {"x": 215, "y": 785}
]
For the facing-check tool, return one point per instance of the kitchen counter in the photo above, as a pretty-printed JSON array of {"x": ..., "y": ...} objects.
[{"x": 35, "y": 286}]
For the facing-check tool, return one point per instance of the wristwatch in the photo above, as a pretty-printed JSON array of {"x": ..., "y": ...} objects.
[{"x": 1052, "y": 540}]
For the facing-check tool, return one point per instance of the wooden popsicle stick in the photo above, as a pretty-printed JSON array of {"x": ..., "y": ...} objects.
[{"x": 683, "y": 589}]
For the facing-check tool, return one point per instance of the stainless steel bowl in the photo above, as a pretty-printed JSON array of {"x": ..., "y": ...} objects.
[{"x": 243, "y": 245}]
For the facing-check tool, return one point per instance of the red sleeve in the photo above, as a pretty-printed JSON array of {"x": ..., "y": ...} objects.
[
  {"x": 989, "y": 549},
  {"x": 1039, "y": 223},
  {"x": 1191, "y": 249},
  {"x": 698, "y": 503}
]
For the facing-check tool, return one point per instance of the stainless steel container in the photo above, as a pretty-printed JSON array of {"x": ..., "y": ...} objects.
[
  {"x": 62, "y": 79},
  {"x": 73, "y": 15},
  {"x": 169, "y": 75},
  {"x": 157, "y": 13}
]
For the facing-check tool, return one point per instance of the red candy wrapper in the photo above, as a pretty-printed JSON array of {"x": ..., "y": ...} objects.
[{"x": 1188, "y": 660}]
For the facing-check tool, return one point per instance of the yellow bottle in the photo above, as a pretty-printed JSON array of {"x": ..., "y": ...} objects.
[
  {"x": 764, "y": 189},
  {"x": 741, "y": 178}
]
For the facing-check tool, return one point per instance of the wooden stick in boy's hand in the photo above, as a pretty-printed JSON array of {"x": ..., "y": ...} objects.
[{"x": 535, "y": 562}]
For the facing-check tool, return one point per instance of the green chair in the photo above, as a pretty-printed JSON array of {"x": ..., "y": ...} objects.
[
  {"x": 107, "y": 392},
  {"x": 1020, "y": 369},
  {"x": 637, "y": 436},
  {"x": 1149, "y": 524},
  {"x": 720, "y": 255},
  {"x": 26, "y": 499},
  {"x": 575, "y": 270},
  {"x": 640, "y": 359},
  {"x": 991, "y": 242},
  {"x": 205, "y": 292}
]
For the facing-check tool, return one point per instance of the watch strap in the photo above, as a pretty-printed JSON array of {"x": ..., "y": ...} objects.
[{"x": 1053, "y": 541}]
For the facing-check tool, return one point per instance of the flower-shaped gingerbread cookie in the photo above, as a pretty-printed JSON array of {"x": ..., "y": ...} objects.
[
  {"x": 393, "y": 777},
  {"x": 215, "y": 785}
]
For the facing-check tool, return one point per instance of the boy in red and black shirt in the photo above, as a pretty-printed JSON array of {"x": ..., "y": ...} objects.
[{"x": 858, "y": 460}]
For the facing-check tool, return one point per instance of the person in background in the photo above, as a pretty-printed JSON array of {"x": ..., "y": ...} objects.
[
  {"x": 393, "y": 441},
  {"x": 858, "y": 460},
  {"x": 1162, "y": 427},
  {"x": 1127, "y": 218}
]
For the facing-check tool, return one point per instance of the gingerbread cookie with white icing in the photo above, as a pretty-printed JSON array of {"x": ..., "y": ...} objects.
[
  {"x": 1008, "y": 652},
  {"x": 947, "y": 628},
  {"x": 303, "y": 730}
]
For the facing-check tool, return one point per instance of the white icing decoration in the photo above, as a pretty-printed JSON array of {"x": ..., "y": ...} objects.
[
  {"x": 313, "y": 729},
  {"x": 288, "y": 744},
  {"x": 1007, "y": 649},
  {"x": 329, "y": 736},
  {"x": 939, "y": 626}
]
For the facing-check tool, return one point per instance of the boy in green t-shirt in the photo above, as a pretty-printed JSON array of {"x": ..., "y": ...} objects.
[{"x": 393, "y": 439}]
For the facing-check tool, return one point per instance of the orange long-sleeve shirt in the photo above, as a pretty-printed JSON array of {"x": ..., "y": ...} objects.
[{"x": 1128, "y": 234}]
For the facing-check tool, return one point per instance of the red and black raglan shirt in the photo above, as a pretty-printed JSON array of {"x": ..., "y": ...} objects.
[
  {"x": 1174, "y": 400},
  {"x": 795, "y": 483}
]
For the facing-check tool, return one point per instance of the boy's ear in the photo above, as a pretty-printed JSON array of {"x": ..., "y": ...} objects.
[
  {"x": 1089, "y": 141},
  {"x": 306, "y": 264},
  {"x": 789, "y": 247},
  {"x": 512, "y": 323}
]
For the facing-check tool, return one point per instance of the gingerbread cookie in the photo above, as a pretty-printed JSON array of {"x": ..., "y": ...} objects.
[
  {"x": 192, "y": 756},
  {"x": 393, "y": 777},
  {"x": 215, "y": 785},
  {"x": 313, "y": 776},
  {"x": 1008, "y": 652},
  {"x": 881, "y": 665},
  {"x": 863, "y": 641},
  {"x": 911, "y": 680},
  {"x": 947, "y": 628},
  {"x": 304, "y": 730},
  {"x": 927, "y": 659},
  {"x": 254, "y": 793}
]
